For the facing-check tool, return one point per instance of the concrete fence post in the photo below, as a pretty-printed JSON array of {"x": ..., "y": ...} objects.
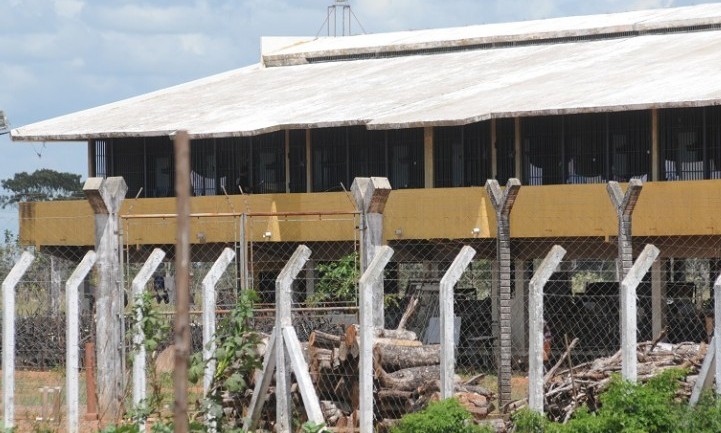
[
  {"x": 371, "y": 195},
  {"x": 624, "y": 204},
  {"x": 72, "y": 345},
  {"x": 105, "y": 196},
  {"x": 8, "y": 347},
  {"x": 368, "y": 281},
  {"x": 629, "y": 324},
  {"x": 209, "y": 282},
  {"x": 283, "y": 318},
  {"x": 502, "y": 201},
  {"x": 535, "y": 326},
  {"x": 137, "y": 289},
  {"x": 447, "y": 318}
]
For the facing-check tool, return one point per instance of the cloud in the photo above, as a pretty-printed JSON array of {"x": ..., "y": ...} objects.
[{"x": 68, "y": 8}]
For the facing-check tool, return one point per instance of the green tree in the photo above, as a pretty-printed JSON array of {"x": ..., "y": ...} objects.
[{"x": 41, "y": 185}]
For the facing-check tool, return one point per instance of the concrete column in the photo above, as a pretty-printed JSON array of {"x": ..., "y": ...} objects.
[
  {"x": 518, "y": 308},
  {"x": 502, "y": 201},
  {"x": 371, "y": 195},
  {"x": 55, "y": 283},
  {"x": 428, "y": 164},
  {"x": 658, "y": 296},
  {"x": 310, "y": 278},
  {"x": 105, "y": 197},
  {"x": 624, "y": 205}
]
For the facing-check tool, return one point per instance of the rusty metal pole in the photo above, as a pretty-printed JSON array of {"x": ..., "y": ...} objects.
[{"x": 182, "y": 276}]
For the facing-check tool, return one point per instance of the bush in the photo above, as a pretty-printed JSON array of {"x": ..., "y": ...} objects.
[
  {"x": 445, "y": 416},
  {"x": 630, "y": 408}
]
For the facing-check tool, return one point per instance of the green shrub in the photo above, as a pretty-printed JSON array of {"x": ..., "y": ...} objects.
[{"x": 445, "y": 416}]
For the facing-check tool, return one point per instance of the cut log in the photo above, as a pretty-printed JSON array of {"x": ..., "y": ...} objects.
[
  {"x": 394, "y": 358},
  {"x": 323, "y": 340},
  {"x": 408, "y": 379}
]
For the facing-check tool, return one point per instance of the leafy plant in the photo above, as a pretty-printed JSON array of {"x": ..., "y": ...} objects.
[
  {"x": 311, "y": 427},
  {"x": 236, "y": 357},
  {"x": 155, "y": 330},
  {"x": 445, "y": 416},
  {"x": 337, "y": 281}
]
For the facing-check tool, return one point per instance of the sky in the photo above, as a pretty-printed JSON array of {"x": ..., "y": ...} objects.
[{"x": 62, "y": 56}]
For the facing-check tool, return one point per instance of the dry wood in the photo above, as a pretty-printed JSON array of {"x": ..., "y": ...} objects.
[
  {"x": 408, "y": 379},
  {"x": 410, "y": 310},
  {"x": 394, "y": 358},
  {"x": 323, "y": 340},
  {"x": 552, "y": 371}
]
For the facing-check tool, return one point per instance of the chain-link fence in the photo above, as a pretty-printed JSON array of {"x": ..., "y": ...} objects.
[{"x": 581, "y": 300}]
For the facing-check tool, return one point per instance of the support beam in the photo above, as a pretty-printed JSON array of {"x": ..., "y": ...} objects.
[
  {"x": 428, "y": 164},
  {"x": 535, "y": 326},
  {"x": 8, "y": 343},
  {"x": 367, "y": 283},
  {"x": 72, "y": 338},
  {"x": 629, "y": 325},
  {"x": 371, "y": 195},
  {"x": 502, "y": 201},
  {"x": 447, "y": 318},
  {"x": 105, "y": 197}
]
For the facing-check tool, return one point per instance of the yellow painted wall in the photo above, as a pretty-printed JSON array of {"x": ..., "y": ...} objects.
[{"x": 664, "y": 208}]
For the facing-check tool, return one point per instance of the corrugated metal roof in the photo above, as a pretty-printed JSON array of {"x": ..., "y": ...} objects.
[{"x": 654, "y": 70}]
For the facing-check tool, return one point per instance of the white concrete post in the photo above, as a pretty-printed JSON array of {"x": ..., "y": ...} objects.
[
  {"x": 105, "y": 197},
  {"x": 137, "y": 289},
  {"x": 8, "y": 348},
  {"x": 55, "y": 283},
  {"x": 502, "y": 201},
  {"x": 705, "y": 377},
  {"x": 262, "y": 382},
  {"x": 535, "y": 326},
  {"x": 209, "y": 282},
  {"x": 371, "y": 195},
  {"x": 368, "y": 281},
  {"x": 283, "y": 318},
  {"x": 628, "y": 311},
  {"x": 716, "y": 347},
  {"x": 447, "y": 316},
  {"x": 72, "y": 345}
]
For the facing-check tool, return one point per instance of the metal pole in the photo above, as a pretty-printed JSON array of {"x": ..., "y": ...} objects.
[
  {"x": 447, "y": 318},
  {"x": 182, "y": 281},
  {"x": 372, "y": 276},
  {"x": 72, "y": 347},
  {"x": 138, "y": 287},
  {"x": 535, "y": 326},
  {"x": 8, "y": 347}
]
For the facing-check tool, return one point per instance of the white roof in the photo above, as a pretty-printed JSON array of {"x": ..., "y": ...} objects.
[{"x": 653, "y": 70}]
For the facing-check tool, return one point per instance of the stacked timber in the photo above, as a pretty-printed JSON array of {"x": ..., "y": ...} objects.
[
  {"x": 569, "y": 387},
  {"x": 406, "y": 374}
]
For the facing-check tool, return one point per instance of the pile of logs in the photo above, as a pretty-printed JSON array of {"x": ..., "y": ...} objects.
[
  {"x": 572, "y": 387},
  {"x": 406, "y": 374}
]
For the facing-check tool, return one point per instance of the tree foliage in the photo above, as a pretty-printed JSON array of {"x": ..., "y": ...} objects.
[{"x": 40, "y": 185}]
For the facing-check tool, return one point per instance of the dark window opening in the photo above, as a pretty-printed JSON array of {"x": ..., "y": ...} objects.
[
  {"x": 542, "y": 139},
  {"x": 689, "y": 139},
  {"x": 297, "y": 161},
  {"x": 330, "y": 158},
  {"x": 268, "y": 156},
  {"x": 629, "y": 137},
  {"x": 405, "y": 158},
  {"x": 585, "y": 152},
  {"x": 461, "y": 155},
  {"x": 505, "y": 150}
]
